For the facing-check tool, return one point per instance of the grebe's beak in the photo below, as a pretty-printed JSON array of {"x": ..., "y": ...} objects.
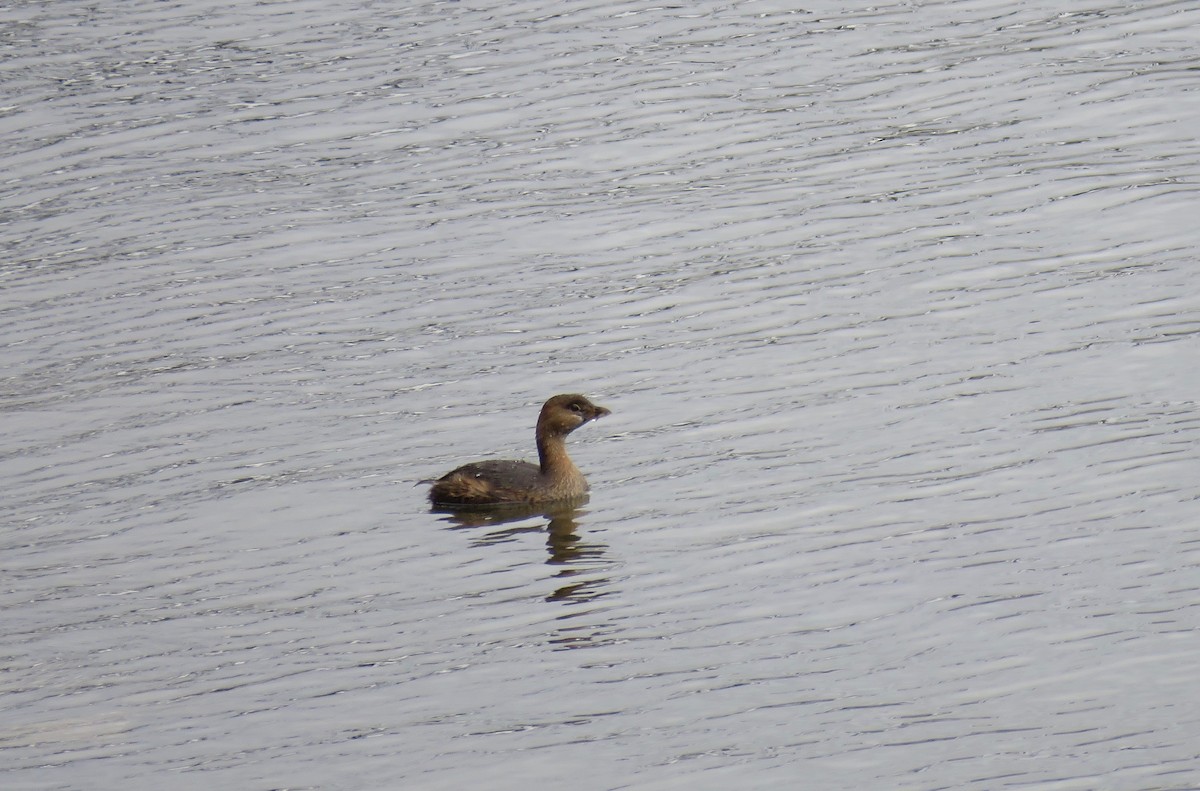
[{"x": 599, "y": 413}]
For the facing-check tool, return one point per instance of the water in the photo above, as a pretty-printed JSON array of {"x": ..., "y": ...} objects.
[{"x": 894, "y": 307}]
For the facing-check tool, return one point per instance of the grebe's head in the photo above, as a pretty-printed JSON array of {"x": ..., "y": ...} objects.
[{"x": 562, "y": 414}]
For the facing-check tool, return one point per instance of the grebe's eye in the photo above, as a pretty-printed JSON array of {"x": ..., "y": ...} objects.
[{"x": 576, "y": 408}]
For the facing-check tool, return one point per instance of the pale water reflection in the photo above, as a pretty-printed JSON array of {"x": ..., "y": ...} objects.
[{"x": 895, "y": 307}]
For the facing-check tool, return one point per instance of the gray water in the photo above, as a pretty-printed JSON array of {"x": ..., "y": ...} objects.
[{"x": 895, "y": 306}]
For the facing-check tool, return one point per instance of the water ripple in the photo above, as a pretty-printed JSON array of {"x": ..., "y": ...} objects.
[{"x": 893, "y": 307}]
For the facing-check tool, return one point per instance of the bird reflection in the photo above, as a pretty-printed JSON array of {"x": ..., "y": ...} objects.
[
  {"x": 575, "y": 559},
  {"x": 560, "y": 524}
]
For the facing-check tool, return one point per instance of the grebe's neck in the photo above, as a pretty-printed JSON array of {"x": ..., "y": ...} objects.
[{"x": 552, "y": 456}]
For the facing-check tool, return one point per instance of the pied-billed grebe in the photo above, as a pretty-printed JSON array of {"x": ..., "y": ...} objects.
[{"x": 554, "y": 478}]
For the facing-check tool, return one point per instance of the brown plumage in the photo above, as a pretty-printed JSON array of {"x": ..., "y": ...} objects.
[{"x": 555, "y": 477}]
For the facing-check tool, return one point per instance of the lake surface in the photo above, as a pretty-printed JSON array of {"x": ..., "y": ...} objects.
[{"x": 897, "y": 309}]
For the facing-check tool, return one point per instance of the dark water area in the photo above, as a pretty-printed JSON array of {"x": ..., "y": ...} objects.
[{"x": 895, "y": 306}]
